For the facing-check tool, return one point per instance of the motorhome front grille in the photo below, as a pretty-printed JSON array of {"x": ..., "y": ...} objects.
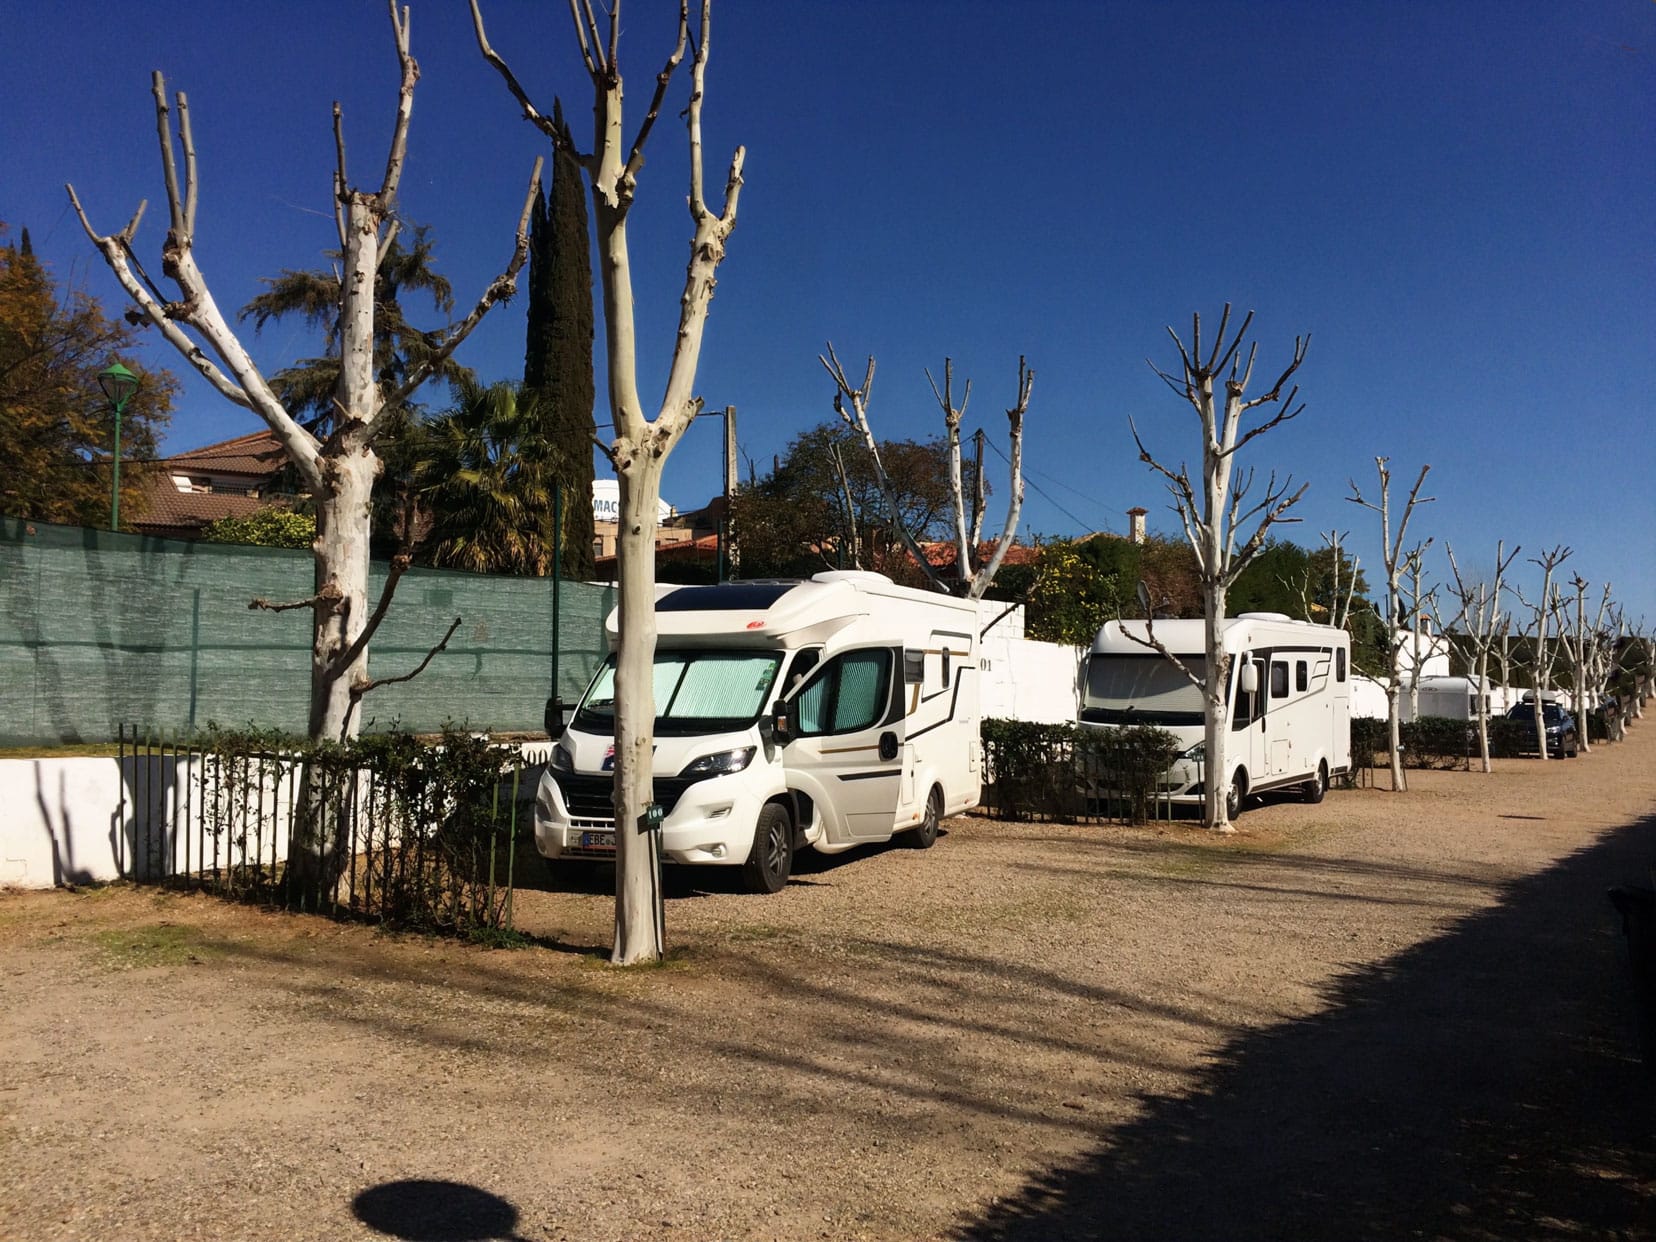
[{"x": 593, "y": 797}]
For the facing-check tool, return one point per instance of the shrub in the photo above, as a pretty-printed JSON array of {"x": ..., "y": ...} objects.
[
  {"x": 1056, "y": 771},
  {"x": 1370, "y": 737},
  {"x": 1436, "y": 742}
]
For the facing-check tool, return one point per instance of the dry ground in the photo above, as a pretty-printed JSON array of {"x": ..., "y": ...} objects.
[{"x": 1388, "y": 1016}]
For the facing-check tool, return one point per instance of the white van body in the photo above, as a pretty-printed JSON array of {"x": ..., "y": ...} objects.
[
  {"x": 1295, "y": 729},
  {"x": 878, "y": 687}
]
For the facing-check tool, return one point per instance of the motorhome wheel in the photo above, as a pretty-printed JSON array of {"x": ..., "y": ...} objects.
[
  {"x": 1314, "y": 789},
  {"x": 768, "y": 867},
  {"x": 924, "y": 834}
]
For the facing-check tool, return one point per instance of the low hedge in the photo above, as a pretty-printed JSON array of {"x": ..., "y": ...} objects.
[{"x": 1063, "y": 772}]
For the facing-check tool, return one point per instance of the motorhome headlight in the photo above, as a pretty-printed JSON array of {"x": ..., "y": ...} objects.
[
  {"x": 721, "y": 763},
  {"x": 1197, "y": 753},
  {"x": 562, "y": 760}
]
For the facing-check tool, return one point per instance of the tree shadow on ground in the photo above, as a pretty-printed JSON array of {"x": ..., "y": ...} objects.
[
  {"x": 1481, "y": 1085},
  {"x": 436, "y": 1211}
]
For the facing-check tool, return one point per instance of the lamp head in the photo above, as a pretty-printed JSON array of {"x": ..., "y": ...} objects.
[{"x": 118, "y": 384}]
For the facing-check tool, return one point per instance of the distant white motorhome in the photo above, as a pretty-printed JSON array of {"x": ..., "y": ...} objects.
[
  {"x": 826, "y": 713},
  {"x": 1288, "y": 701}
]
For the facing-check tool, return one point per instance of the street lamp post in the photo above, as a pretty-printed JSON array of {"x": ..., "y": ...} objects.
[{"x": 118, "y": 385}]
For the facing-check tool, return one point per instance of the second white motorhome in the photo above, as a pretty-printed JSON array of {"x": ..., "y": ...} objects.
[
  {"x": 1288, "y": 701},
  {"x": 830, "y": 713}
]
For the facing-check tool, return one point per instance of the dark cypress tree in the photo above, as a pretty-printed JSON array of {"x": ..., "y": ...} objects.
[{"x": 557, "y": 363}]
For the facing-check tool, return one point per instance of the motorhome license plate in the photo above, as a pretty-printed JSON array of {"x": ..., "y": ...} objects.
[{"x": 597, "y": 840}]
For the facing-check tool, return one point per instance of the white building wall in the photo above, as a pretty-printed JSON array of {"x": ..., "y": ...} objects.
[{"x": 1023, "y": 679}]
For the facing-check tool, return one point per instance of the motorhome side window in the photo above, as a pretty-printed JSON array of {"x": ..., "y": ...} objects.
[
  {"x": 1279, "y": 680},
  {"x": 1302, "y": 676},
  {"x": 1340, "y": 664},
  {"x": 849, "y": 692}
]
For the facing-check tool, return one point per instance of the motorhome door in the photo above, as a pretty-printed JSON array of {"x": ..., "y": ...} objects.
[{"x": 846, "y": 749}]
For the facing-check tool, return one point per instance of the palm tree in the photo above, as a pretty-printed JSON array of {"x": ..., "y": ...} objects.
[
  {"x": 309, "y": 385},
  {"x": 482, "y": 476}
]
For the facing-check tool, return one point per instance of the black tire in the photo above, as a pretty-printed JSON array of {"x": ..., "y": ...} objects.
[
  {"x": 771, "y": 862},
  {"x": 924, "y": 834},
  {"x": 1314, "y": 789},
  {"x": 1235, "y": 796},
  {"x": 1573, "y": 749}
]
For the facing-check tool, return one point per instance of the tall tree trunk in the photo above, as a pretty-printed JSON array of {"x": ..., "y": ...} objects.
[{"x": 638, "y": 909}]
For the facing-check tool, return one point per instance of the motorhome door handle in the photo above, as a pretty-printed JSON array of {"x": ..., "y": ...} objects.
[{"x": 888, "y": 746}]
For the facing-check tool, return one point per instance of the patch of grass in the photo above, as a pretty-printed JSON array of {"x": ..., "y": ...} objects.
[
  {"x": 165, "y": 944},
  {"x": 753, "y": 933},
  {"x": 500, "y": 938}
]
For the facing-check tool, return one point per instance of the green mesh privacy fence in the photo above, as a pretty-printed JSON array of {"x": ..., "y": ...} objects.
[{"x": 99, "y": 629}]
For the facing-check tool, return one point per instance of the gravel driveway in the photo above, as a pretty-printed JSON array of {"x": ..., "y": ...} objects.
[{"x": 1387, "y": 1016}]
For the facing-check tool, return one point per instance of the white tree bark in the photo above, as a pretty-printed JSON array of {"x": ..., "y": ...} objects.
[
  {"x": 1391, "y": 552},
  {"x": 1547, "y": 613},
  {"x": 976, "y": 579},
  {"x": 1420, "y": 601},
  {"x": 641, "y": 444},
  {"x": 340, "y": 473},
  {"x": 1474, "y": 629},
  {"x": 1587, "y": 677},
  {"x": 1211, "y": 520},
  {"x": 851, "y": 404}
]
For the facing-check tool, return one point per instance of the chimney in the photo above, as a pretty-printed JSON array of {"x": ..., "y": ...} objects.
[{"x": 1135, "y": 524}]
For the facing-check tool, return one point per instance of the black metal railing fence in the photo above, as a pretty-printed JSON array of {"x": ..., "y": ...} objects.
[{"x": 390, "y": 828}]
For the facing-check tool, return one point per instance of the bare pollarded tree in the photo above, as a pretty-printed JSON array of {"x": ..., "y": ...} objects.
[
  {"x": 851, "y": 404},
  {"x": 642, "y": 443},
  {"x": 338, "y": 472},
  {"x": 1213, "y": 513},
  {"x": 1475, "y": 629},
  {"x": 1583, "y": 641},
  {"x": 1419, "y": 600},
  {"x": 1546, "y": 614},
  {"x": 976, "y": 576},
  {"x": 1340, "y": 593},
  {"x": 1392, "y": 556}
]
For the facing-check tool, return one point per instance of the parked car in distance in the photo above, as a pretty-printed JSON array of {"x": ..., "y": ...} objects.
[{"x": 1560, "y": 725}]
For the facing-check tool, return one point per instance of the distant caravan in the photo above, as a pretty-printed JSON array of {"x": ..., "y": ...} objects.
[{"x": 1288, "y": 701}]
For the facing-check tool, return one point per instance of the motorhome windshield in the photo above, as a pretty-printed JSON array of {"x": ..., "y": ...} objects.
[
  {"x": 1142, "y": 689},
  {"x": 695, "y": 691}
]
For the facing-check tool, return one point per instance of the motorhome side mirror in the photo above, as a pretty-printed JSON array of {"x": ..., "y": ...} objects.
[
  {"x": 779, "y": 727},
  {"x": 1249, "y": 683},
  {"x": 557, "y": 717}
]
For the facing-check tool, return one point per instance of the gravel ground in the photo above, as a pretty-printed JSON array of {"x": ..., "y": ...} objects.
[{"x": 1387, "y": 1016}]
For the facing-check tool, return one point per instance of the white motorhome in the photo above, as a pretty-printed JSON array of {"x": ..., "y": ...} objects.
[
  {"x": 1288, "y": 701},
  {"x": 831, "y": 713}
]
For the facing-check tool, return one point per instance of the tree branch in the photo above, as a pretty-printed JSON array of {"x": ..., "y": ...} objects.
[
  {"x": 500, "y": 289},
  {"x": 530, "y": 113}
]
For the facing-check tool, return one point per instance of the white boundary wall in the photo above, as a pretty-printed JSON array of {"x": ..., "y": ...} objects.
[
  {"x": 1023, "y": 679},
  {"x": 62, "y": 820}
]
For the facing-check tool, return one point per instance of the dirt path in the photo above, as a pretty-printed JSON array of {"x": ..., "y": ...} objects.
[{"x": 1382, "y": 1017}]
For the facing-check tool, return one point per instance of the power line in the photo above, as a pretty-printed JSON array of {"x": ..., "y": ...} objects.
[{"x": 1080, "y": 522}]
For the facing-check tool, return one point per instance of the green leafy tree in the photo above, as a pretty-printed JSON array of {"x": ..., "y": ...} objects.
[
  {"x": 1078, "y": 586},
  {"x": 55, "y": 422},
  {"x": 804, "y": 516},
  {"x": 557, "y": 362},
  {"x": 483, "y": 477},
  {"x": 265, "y": 528},
  {"x": 1272, "y": 581}
]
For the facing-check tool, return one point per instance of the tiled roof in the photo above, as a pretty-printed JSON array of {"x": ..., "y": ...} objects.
[
  {"x": 168, "y": 510},
  {"x": 259, "y": 454}
]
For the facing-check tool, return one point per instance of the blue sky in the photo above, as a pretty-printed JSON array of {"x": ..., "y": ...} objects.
[{"x": 1458, "y": 202}]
